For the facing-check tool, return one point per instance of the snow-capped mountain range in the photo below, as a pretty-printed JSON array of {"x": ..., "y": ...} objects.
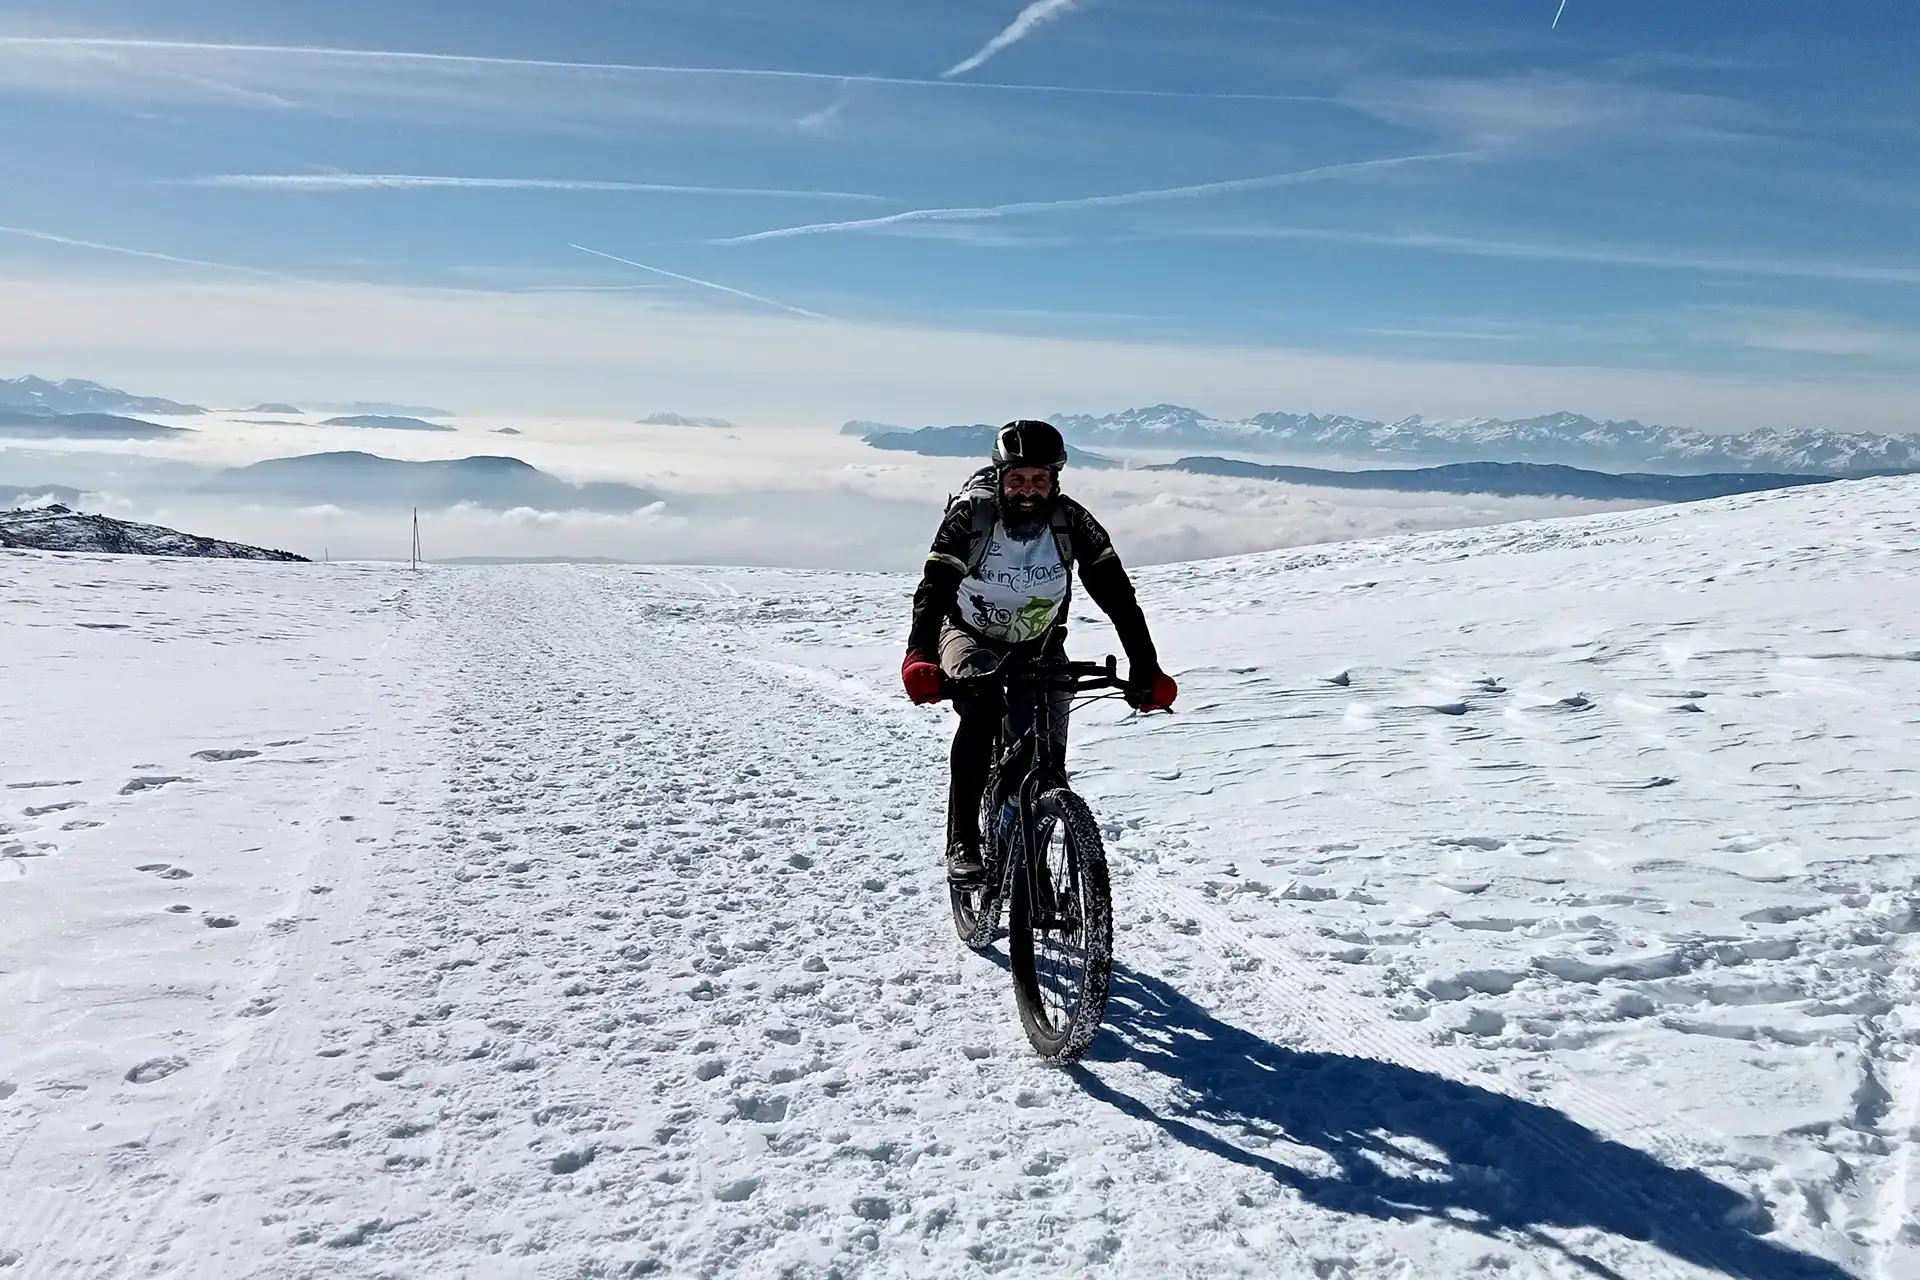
[
  {"x": 1568, "y": 439},
  {"x": 77, "y": 395}
]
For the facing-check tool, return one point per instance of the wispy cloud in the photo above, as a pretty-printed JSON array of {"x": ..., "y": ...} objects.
[
  {"x": 331, "y": 182},
  {"x": 94, "y": 246},
  {"x": 1798, "y": 269},
  {"x": 1029, "y": 19},
  {"x": 823, "y": 120},
  {"x": 706, "y": 284},
  {"x": 241, "y": 341},
  {"x": 1802, "y": 331},
  {"x": 1509, "y": 110},
  {"x": 1195, "y": 191},
  {"x": 107, "y": 61}
]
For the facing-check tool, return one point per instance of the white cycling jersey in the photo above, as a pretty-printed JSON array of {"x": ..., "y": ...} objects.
[{"x": 1017, "y": 591}]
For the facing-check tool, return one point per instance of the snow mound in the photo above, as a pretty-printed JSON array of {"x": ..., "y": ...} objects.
[{"x": 59, "y": 528}]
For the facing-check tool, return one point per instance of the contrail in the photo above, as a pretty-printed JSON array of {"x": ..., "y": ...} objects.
[
  {"x": 47, "y": 237},
  {"x": 983, "y": 212},
  {"x": 325, "y": 53},
  {"x": 430, "y": 182},
  {"x": 1422, "y": 241},
  {"x": 1556, "y": 16},
  {"x": 1031, "y": 17},
  {"x": 707, "y": 284}
]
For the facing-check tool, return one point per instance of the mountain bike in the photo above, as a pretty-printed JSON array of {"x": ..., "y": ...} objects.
[{"x": 1044, "y": 860}]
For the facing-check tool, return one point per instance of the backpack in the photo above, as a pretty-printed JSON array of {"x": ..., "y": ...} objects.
[{"x": 981, "y": 493}]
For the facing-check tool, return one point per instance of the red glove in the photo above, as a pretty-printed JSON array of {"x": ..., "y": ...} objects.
[
  {"x": 921, "y": 677},
  {"x": 1157, "y": 696}
]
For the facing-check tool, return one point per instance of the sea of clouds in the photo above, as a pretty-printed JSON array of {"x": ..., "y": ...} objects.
[{"x": 791, "y": 497}]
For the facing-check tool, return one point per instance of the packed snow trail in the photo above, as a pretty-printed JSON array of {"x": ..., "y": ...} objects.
[{"x": 608, "y": 936}]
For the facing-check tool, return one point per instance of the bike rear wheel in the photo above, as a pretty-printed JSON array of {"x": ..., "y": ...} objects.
[
  {"x": 976, "y": 907},
  {"x": 1061, "y": 934}
]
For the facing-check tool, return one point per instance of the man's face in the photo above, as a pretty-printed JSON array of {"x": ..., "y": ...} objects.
[{"x": 1027, "y": 489}]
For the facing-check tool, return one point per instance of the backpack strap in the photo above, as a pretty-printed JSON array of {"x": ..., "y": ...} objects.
[
  {"x": 984, "y": 510},
  {"x": 1062, "y": 535}
]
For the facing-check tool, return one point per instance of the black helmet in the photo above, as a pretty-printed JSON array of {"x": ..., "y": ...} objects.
[{"x": 1028, "y": 443}]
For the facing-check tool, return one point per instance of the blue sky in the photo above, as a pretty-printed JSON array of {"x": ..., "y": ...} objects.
[{"x": 1664, "y": 203}]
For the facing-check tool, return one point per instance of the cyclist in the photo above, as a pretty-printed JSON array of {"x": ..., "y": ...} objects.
[{"x": 996, "y": 585}]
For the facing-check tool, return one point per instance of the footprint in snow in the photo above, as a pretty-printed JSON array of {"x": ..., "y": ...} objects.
[
  {"x": 226, "y": 753},
  {"x": 572, "y": 1161},
  {"x": 216, "y": 921},
  {"x": 1485, "y": 843},
  {"x": 155, "y": 1069},
  {"x": 165, "y": 871},
  {"x": 149, "y": 782}
]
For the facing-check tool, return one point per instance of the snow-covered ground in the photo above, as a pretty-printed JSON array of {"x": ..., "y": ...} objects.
[{"x": 1536, "y": 900}]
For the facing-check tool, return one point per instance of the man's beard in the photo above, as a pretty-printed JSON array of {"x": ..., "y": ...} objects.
[{"x": 1026, "y": 516}]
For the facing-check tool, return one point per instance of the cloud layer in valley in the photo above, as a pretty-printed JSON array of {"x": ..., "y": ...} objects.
[{"x": 798, "y": 498}]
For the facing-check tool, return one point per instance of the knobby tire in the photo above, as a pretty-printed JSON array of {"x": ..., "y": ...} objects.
[{"x": 1060, "y": 1028}]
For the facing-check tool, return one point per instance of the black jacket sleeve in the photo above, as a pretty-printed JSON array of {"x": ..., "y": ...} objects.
[
  {"x": 940, "y": 580},
  {"x": 1109, "y": 586}
]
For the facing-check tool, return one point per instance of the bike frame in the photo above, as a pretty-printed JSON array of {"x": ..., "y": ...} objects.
[{"x": 1042, "y": 774}]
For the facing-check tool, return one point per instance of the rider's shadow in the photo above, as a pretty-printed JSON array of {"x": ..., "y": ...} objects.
[{"x": 1388, "y": 1142}]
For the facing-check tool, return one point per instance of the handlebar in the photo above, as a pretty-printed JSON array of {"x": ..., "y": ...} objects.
[{"x": 1076, "y": 677}]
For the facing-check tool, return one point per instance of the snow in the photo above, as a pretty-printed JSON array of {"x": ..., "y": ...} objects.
[{"x": 1537, "y": 900}]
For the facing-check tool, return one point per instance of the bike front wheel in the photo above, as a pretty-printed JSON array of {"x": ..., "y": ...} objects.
[{"x": 1061, "y": 937}]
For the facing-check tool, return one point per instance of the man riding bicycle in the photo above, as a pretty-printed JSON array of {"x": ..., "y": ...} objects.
[{"x": 996, "y": 586}]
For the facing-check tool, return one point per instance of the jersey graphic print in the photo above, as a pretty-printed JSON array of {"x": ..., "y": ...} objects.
[{"x": 1016, "y": 592}]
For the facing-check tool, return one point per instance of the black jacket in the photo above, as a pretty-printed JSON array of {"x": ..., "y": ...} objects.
[{"x": 937, "y": 597}]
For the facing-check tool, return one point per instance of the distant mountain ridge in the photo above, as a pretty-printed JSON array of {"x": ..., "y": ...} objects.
[
  {"x": 974, "y": 441},
  {"x": 58, "y": 528},
  {"x": 1565, "y": 439},
  {"x": 385, "y": 422},
  {"x": 38, "y": 495},
  {"x": 682, "y": 420},
  {"x": 382, "y": 408},
  {"x": 76, "y": 395},
  {"x": 365, "y": 480},
  {"x": 1508, "y": 480},
  {"x": 32, "y": 424}
]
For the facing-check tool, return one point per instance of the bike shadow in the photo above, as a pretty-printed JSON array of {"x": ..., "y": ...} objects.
[{"x": 1384, "y": 1141}]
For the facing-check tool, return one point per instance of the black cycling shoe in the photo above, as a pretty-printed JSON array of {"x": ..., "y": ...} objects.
[{"x": 964, "y": 863}]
